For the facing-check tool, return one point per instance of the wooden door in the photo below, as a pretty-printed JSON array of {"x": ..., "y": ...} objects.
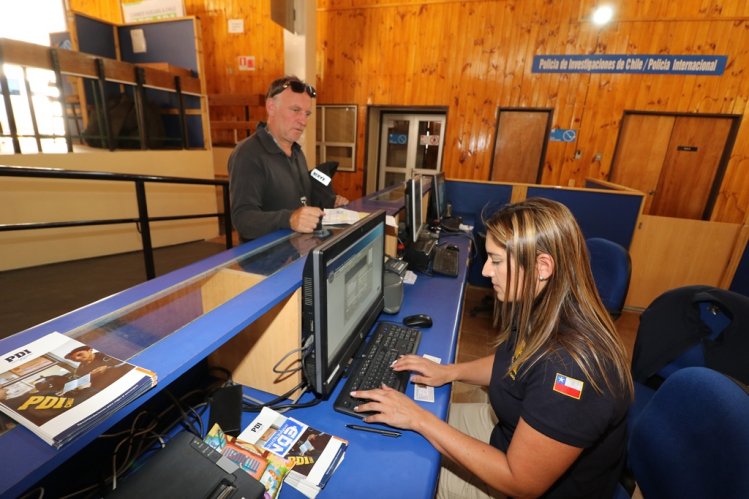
[
  {"x": 520, "y": 145},
  {"x": 643, "y": 143},
  {"x": 690, "y": 166},
  {"x": 673, "y": 159}
]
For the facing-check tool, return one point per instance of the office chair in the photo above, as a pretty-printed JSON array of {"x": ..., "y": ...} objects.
[
  {"x": 692, "y": 326},
  {"x": 692, "y": 438},
  {"x": 611, "y": 267},
  {"x": 488, "y": 302}
]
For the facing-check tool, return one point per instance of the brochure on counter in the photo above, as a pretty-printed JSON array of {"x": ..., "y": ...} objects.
[
  {"x": 315, "y": 454},
  {"x": 59, "y": 388}
]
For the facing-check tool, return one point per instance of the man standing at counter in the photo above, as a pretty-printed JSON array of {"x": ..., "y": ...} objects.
[{"x": 268, "y": 176}]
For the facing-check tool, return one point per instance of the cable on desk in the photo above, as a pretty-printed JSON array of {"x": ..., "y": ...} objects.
[
  {"x": 256, "y": 407},
  {"x": 276, "y": 368},
  {"x": 140, "y": 440}
]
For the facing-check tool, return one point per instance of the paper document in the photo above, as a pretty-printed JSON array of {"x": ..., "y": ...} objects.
[{"x": 338, "y": 216}]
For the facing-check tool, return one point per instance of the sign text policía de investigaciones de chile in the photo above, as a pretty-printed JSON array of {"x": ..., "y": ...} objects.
[{"x": 712, "y": 65}]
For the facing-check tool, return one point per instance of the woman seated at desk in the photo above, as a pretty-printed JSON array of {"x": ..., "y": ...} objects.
[{"x": 559, "y": 381}]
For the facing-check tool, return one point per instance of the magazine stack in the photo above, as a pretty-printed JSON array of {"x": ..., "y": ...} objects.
[{"x": 59, "y": 388}]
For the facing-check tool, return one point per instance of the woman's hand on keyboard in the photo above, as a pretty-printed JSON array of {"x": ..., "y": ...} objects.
[
  {"x": 425, "y": 371},
  {"x": 391, "y": 407}
]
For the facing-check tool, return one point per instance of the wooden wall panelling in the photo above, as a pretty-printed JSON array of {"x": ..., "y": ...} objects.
[
  {"x": 432, "y": 61},
  {"x": 580, "y": 39},
  {"x": 560, "y": 155},
  {"x": 376, "y": 53},
  {"x": 109, "y": 10},
  {"x": 261, "y": 38},
  {"x": 719, "y": 91},
  {"x": 483, "y": 105},
  {"x": 738, "y": 89},
  {"x": 454, "y": 96},
  {"x": 615, "y": 41},
  {"x": 733, "y": 199}
]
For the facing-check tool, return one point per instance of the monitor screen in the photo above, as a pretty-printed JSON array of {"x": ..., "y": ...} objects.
[
  {"x": 342, "y": 296},
  {"x": 437, "y": 202},
  {"x": 413, "y": 203}
]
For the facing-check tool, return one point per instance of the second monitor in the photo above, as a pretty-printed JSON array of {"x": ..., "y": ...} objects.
[{"x": 414, "y": 194}]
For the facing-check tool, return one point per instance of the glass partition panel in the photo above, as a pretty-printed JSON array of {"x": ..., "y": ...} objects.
[{"x": 133, "y": 328}]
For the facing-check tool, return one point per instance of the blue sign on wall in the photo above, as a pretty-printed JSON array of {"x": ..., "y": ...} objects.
[
  {"x": 712, "y": 65},
  {"x": 563, "y": 135}
]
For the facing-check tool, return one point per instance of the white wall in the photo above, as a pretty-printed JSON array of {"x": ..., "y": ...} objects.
[{"x": 24, "y": 200}]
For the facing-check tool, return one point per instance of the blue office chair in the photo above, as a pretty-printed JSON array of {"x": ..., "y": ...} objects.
[
  {"x": 611, "y": 267},
  {"x": 690, "y": 326},
  {"x": 475, "y": 278},
  {"x": 692, "y": 438}
]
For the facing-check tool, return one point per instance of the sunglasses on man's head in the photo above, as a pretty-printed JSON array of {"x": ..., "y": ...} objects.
[{"x": 296, "y": 87}]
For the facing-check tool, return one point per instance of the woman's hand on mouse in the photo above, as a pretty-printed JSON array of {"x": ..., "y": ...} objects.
[
  {"x": 392, "y": 408},
  {"x": 425, "y": 371}
]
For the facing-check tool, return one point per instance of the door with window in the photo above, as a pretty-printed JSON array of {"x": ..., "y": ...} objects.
[{"x": 409, "y": 144}]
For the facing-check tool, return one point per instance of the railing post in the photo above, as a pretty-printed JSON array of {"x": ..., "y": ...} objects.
[
  {"x": 182, "y": 117},
  {"x": 145, "y": 229},
  {"x": 9, "y": 107},
  {"x": 61, "y": 88},
  {"x": 227, "y": 218},
  {"x": 140, "y": 108},
  {"x": 32, "y": 112},
  {"x": 108, "y": 136}
]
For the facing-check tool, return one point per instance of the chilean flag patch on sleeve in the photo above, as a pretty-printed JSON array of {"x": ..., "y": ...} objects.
[{"x": 568, "y": 386}]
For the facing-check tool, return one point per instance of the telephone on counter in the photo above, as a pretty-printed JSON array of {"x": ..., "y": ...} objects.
[
  {"x": 395, "y": 269},
  {"x": 395, "y": 265}
]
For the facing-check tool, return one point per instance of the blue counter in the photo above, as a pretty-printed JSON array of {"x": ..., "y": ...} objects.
[{"x": 404, "y": 467}]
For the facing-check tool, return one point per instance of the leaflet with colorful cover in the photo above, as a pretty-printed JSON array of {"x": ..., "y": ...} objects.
[
  {"x": 265, "y": 467},
  {"x": 315, "y": 454},
  {"x": 58, "y": 387}
]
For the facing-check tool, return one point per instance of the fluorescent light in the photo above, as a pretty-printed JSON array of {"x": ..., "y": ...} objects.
[{"x": 602, "y": 15}]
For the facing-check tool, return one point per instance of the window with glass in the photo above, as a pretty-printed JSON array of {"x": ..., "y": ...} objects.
[{"x": 336, "y": 135}]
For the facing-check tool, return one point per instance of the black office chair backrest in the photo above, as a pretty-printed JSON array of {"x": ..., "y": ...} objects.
[{"x": 693, "y": 326}]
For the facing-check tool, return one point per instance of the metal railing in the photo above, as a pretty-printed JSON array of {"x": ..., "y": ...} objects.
[{"x": 142, "y": 221}]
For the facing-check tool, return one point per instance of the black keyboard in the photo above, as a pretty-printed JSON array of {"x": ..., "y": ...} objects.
[
  {"x": 372, "y": 369},
  {"x": 445, "y": 261}
]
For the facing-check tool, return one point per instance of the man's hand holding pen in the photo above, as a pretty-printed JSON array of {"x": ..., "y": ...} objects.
[{"x": 305, "y": 218}]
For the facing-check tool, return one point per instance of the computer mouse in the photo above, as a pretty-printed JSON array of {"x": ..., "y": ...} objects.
[{"x": 418, "y": 320}]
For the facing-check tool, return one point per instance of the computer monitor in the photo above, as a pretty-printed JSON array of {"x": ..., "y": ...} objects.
[
  {"x": 342, "y": 296},
  {"x": 437, "y": 201},
  {"x": 414, "y": 216}
]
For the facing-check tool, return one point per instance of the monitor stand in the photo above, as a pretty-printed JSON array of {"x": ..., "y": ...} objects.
[{"x": 320, "y": 231}]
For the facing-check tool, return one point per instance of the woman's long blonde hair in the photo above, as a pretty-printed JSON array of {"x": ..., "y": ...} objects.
[{"x": 568, "y": 312}]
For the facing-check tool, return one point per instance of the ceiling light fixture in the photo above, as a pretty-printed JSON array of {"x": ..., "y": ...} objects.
[{"x": 602, "y": 15}]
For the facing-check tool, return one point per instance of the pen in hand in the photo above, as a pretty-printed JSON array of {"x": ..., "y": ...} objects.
[{"x": 387, "y": 433}]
